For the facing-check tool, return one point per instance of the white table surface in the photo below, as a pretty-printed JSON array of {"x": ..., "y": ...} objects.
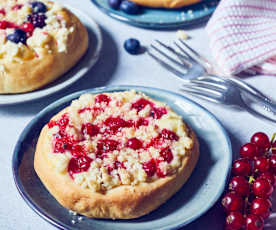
[{"x": 114, "y": 67}]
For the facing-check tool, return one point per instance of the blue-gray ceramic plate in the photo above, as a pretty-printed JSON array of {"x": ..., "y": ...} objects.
[
  {"x": 162, "y": 18},
  {"x": 201, "y": 191},
  {"x": 77, "y": 72}
]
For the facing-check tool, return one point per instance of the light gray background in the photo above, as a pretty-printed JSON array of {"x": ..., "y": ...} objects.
[{"x": 114, "y": 67}]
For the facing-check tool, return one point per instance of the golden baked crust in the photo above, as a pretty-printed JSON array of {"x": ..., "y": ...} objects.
[
  {"x": 166, "y": 3},
  {"x": 121, "y": 202},
  {"x": 33, "y": 66}
]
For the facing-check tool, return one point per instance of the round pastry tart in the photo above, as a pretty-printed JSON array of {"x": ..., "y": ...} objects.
[
  {"x": 115, "y": 155},
  {"x": 166, "y": 3},
  {"x": 39, "y": 41}
]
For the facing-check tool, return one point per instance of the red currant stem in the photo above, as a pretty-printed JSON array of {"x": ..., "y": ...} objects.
[
  {"x": 245, "y": 205},
  {"x": 267, "y": 152},
  {"x": 273, "y": 137},
  {"x": 246, "y": 202}
]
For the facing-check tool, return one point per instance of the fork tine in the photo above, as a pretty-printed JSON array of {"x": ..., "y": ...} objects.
[
  {"x": 211, "y": 78},
  {"x": 186, "y": 53},
  {"x": 169, "y": 58},
  {"x": 195, "y": 52},
  {"x": 203, "y": 90},
  {"x": 166, "y": 65},
  {"x": 181, "y": 57},
  {"x": 208, "y": 84},
  {"x": 204, "y": 61},
  {"x": 200, "y": 94},
  {"x": 190, "y": 48}
]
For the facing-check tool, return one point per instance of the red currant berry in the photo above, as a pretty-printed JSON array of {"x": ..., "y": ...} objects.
[
  {"x": 270, "y": 177},
  {"x": 134, "y": 143},
  {"x": 17, "y": 7},
  {"x": 141, "y": 104},
  {"x": 157, "y": 113},
  {"x": 150, "y": 167},
  {"x": 261, "y": 164},
  {"x": 169, "y": 135},
  {"x": 272, "y": 160},
  {"x": 63, "y": 121},
  {"x": 261, "y": 140},
  {"x": 232, "y": 202},
  {"x": 253, "y": 222},
  {"x": 166, "y": 154},
  {"x": 262, "y": 188},
  {"x": 116, "y": 124},
  {"x": 3, "y": 12},
  {"x": 241, "y": 167},
  {"x": 249, "y": 150},
  {"x": 4, "y": 24},
  {"x": 160, "y": 173},
  {"x": 77, "y": 150},
  {"x": 28, "y": 28},
  {"x": 59, "y": 146},
  {"x": 79, "y": 164},
  {"x": 234, "y": 221},
  {"x": 261, "y": 207},
  {"x": 90, "y": 129},
  {"x": 106, "y": 145},
  {"x": 239, "y": 185},
  {"x": 102, "y": 98},
  {"x": 142, "y": 122}
]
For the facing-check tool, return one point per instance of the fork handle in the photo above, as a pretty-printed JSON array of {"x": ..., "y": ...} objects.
[
  {"x": 255, "y": 94},
  {"x": 258, "y": 114}
]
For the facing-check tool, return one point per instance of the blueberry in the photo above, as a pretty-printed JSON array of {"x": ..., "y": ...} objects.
[
  {"x": 37, "y": 19},
  {"x": 18, "y": 36},
  {"x": 114, "y": 4},
  {"x": 129, "y": 7},
  {"x": 132, "y": 46},
  {"x": 39, "y": 7}
]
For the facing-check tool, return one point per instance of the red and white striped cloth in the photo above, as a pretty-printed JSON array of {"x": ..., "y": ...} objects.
[{"x": 243, "y": 36}]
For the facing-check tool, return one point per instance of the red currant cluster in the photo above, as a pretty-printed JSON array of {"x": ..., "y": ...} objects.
[{"x": 247, "y": 202}]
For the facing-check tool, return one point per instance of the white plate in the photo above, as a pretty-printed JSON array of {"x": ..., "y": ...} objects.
[{"x": 89, "y": 59}]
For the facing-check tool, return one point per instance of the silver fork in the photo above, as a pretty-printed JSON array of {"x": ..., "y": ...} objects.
[
  {"x": 221, "y": 92},
  {"x": 197, "y": 68}
]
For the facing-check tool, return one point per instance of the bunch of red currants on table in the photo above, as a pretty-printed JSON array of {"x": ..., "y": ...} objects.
[{"x": 247, "y": 202}]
